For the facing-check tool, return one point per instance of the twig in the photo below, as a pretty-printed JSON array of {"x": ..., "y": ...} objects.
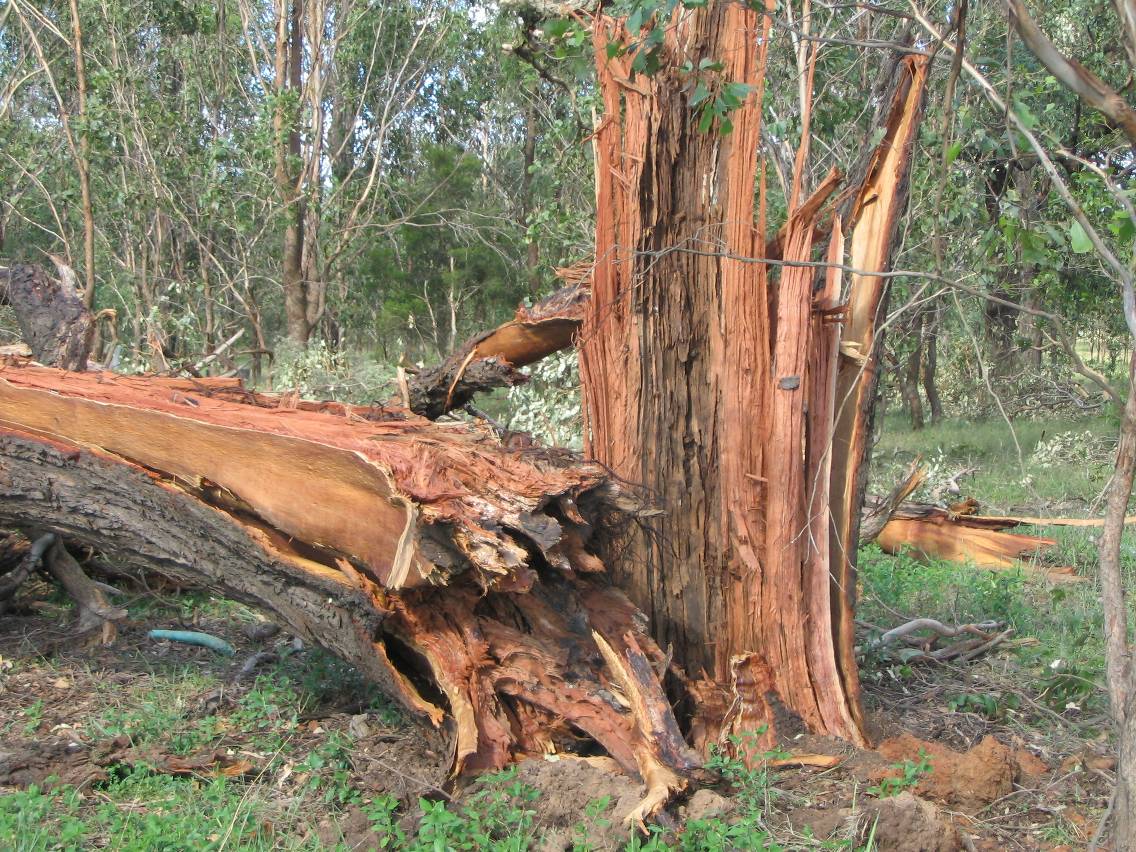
[
  {"x": 498, "y": 427},
  {"x": 1095, "y": 842},
  {"x": 12, "y": 580}
]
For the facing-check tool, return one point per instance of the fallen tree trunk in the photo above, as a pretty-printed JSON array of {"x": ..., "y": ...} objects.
[
  {"x": 451, "y": 571},
  {"x": 927, "y": 532}
]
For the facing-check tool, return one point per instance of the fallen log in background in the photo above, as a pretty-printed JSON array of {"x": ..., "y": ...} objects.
[
  {"x": 491, "y": 359},
  {"x": 932, "y": 532},
  {"x": 448, "y": 569}
]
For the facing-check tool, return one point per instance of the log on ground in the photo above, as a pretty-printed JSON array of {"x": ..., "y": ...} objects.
[
  {"x": 453, "y": 572},
  {"x": 930, "y": 532}
]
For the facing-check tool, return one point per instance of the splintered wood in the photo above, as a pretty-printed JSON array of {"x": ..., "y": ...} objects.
[
  {"x": 726, "y": 386},
  {"x": 492, "y": 359},
  {"x": 451, "y": 570}
]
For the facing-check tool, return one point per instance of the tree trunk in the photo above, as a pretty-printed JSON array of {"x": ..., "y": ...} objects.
[
  {"x": 286, "y": 121},
  {"x": 696, "y": 372},
  {"x": 909, "y": 372},
  {"x": 450, "y": 570},
  {"x": 1118, "y": 649},
  {"x": 931, "y": 361},
  {"x": 53, "y": 320},
  {"x": 528, "y": 197},
  {"x": 83, "y": 160}
]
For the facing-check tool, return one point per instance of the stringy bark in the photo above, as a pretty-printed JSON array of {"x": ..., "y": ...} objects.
[{"x": 710, "y": 381}]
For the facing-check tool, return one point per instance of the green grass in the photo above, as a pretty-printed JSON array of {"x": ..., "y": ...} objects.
[
  {"x": 1066, "y": 663},
  {"x": 1008, "y": 478}
]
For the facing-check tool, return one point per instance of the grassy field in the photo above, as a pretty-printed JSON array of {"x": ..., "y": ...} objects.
[{"x": 326, "y": 763}]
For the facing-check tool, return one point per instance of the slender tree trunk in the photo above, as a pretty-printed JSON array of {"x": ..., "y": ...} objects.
[
  {"x": 286, "y": 119},
  {"x": 931, "y": 361},
  {"x": 83, "y": 162},
  {"x": 909, "y": 382},
  {"x": 1118, "y": 650},
  {"x": 1001, "y": 323},
  {"x": 532, "y": 262}
]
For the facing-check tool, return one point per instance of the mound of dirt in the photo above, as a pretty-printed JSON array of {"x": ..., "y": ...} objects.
[
  {"x": 967, "y": 781},
  {"x": 902, "y": 823},
  {"x": 568, "y": 786}
]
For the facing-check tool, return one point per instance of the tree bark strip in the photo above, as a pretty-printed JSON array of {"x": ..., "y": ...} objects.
[{"x": 875, "y": 214}]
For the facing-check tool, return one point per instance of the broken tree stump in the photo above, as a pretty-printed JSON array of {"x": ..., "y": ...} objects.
[
  {"x": 53, "y": 320},
  {"x": 450, "y": 570}
]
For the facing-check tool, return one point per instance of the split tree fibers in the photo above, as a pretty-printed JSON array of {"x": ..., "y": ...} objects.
[{"x": 721, "y": 384}]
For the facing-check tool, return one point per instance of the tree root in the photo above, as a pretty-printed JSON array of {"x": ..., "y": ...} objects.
[{"x": 95, "y": 612}]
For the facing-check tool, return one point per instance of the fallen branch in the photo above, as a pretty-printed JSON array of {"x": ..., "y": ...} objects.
[
  {"x": 917, "y": 624},
  {"x": 929, "y": 532},
  {"x": 491, "y": 359},
  {"x": 982, "y": 641},
  {"x": 877, "y": 512},
  {"x": 217, "y": 353},
  {"x": 95, "y": 611}
]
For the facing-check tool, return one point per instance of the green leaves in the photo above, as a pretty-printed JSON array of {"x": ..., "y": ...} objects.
[
  {"x": 1078, "y": 239},
  {"x": 716, "y": 99}
]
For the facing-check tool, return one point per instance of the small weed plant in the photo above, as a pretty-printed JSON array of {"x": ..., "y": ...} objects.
[{"x": 910, "y": 772}]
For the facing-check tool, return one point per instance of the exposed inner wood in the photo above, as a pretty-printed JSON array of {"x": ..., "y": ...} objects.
[
  {"x": 428, "y": 555},
  {"x": 874, "y": 216}
]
